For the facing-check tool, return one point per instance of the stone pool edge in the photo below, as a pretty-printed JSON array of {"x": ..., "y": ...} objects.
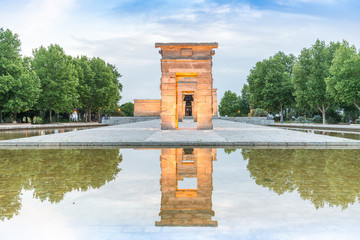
[{"x": 183, "y": 144}]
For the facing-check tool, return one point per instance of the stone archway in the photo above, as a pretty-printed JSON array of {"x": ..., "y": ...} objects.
[{"x": 186, "y": 67}]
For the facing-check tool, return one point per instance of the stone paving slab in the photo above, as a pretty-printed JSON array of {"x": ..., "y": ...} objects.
[{"x": 149, "y": 134}]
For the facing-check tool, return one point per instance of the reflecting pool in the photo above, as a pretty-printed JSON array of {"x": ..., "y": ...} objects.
[
  {"x": 12, "y": 134},
  {"x": 176, "y": 193},
  {"x": 333, "y": 133}
]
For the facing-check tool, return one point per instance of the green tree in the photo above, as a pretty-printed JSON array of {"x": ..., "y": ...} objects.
[
  {"x": 245, "y": 101},
  {"x": 106, "y": 89},
  {"x": 301, "y": 71},
  {"x": 117, "y": 88},
  {"x": 24, "y": 93},
  {"x": 19, "y": 85},
  {"x": 127, "y": 109},
  {"x": 86, "y": 86},
  {"x": 230, "y": 104},
  {"x": 10, "y": 61},
  {"x": 58, "y": 78},
  {"x": 99, "y": 87},
  {"x": 310, "y": 72},
  {"x": 344, "y": 82},
  {"x": 270, "y": 82}
]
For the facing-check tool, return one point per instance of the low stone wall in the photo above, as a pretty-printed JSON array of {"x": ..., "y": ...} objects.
[
  {"x": 123, "y": 120},
  {"x": 250, "y": 120}
]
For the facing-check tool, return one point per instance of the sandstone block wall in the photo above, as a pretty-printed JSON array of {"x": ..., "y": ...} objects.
[
  {"x": 147, "y": 108},
  {"x": 215, "y": 106}
]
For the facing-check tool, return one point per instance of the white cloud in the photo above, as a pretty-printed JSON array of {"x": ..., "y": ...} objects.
[
  {"x": 126, "y": 39},
  {"x": 42, "y": 14}
]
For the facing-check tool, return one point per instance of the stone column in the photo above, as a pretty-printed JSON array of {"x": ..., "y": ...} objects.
[
  {"x": 180, "y": 105},
  {"x": 204, "y": 98},
  {"x": 215, "y": 107},
  {"x": 195, "y": 107},
  {"x": 168, "y": 100}
]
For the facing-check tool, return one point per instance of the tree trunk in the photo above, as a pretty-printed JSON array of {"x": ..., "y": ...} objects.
[
  {"x": 43, "y": 115},
  {"x": 1, "y": 117},
  {"x": 323, "y": 111},
  {"x": 324, "y": 115},
  {"x": 50, "y": 117},
  {"x": 15, "y": 117},
  {"x": 89, "y": 114},
  {"x": 99, "y": 119},
  {"x": 281, "y": 114},
  {"x": 57, "y": 117},
  {"x": 358, "y": 106}
]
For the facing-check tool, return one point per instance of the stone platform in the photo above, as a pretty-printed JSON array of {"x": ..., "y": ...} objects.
[{"x": 149, "y": 134}]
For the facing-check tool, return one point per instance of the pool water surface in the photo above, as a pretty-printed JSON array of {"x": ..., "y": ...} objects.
[{"x": 177, "y": 193}]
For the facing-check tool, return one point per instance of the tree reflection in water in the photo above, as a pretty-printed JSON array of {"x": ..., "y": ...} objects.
[
  {"x": 323, "y": 176},
  {"x": 52, "y": 173}
]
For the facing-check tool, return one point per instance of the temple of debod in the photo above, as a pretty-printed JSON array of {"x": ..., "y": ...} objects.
[{"x": 186, "y": 86}]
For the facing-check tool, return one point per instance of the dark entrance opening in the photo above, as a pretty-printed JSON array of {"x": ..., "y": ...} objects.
[{"x": 188, "y": 105}]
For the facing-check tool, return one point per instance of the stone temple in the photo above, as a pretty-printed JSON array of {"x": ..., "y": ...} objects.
[{"x": 186, "y": 86}]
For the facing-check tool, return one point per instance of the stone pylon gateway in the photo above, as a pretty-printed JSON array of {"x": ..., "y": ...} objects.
[{"x": 186, "y": 83}]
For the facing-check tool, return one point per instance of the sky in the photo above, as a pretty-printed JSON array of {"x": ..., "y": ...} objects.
[{"x": 124, "y": 32}]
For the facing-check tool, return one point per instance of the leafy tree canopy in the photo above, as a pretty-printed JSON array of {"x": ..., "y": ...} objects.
[
  {"x": 19, "y": 85},
  {"x": 344, "y": 82},
  {"x": 230, "y": 104},
  {"x": 59, "y": 80},
  {"x": 310, "y": 72},
  {"x": 270, "y": 82},
  {"x": 127, "y": 109},
  {"x": 106, "y": 89}
]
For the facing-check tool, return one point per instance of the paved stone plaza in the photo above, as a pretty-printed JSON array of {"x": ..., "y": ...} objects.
[{"x": 149, "y": 134}]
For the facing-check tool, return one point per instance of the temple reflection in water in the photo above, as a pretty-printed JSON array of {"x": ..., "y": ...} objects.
[{"x": 186, "y": 187}]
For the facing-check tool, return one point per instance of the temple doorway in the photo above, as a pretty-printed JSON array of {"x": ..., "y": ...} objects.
[{"x": 188, "y": 99}]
